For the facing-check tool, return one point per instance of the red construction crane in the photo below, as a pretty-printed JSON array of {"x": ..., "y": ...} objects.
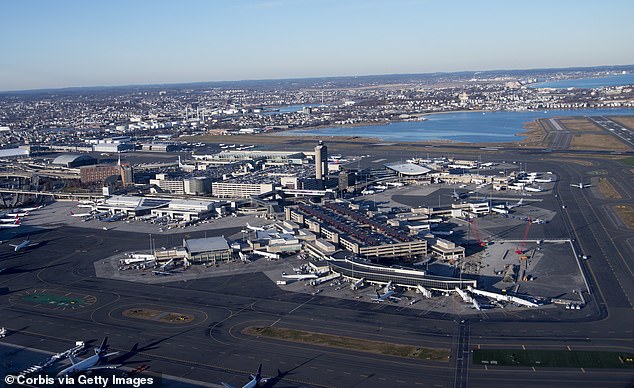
[
  {"x": 520, "y": 249},
  {"x": 475, "y": 233}
]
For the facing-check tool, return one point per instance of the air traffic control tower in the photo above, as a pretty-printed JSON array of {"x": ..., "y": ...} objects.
[{"x": 321, "y": 161}]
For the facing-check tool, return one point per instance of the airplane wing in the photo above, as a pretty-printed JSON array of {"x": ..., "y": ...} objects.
[{"x": 104, "y": 366}]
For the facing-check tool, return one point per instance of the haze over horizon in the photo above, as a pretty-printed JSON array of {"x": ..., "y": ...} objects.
[{"x": 73, "y": 43}]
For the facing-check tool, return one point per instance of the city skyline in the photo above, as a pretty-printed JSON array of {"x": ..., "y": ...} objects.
[{"x": 74, "y": 44}]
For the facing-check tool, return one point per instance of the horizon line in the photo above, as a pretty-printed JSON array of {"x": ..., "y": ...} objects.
[{"x": 172, "y": 84}]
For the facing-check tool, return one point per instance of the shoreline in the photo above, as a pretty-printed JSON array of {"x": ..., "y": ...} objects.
[{"x": 532, "y": 131}]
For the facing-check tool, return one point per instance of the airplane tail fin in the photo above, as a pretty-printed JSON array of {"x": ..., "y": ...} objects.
[
  {"x": 101, "y": 350},
  {"x": 258, "y": 375},
  {"x": 17, "y": 221}
]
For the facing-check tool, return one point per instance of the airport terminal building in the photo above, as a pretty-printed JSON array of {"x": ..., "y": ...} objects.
[{"x": 207, "y": 250}]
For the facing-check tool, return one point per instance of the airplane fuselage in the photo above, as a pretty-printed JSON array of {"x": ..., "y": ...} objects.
[
  {"x": 22, "y": 245},
  {"x": 81, "y": 366}
]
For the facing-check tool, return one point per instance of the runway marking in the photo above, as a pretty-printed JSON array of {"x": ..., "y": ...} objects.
[
  {"x": 290, "y": 312},
  {"x": 523, "y": 347},
  {"x": 273, "y": 324},
  {"x": 533, "y": 369},
  {"x": 569, "y": 348},
  {"x": 583, "y": 370}
]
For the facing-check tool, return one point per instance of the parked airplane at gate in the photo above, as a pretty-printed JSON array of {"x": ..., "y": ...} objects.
[
  {"x": 387, "y": 294},
  {"x": 255, "y": 228},
  {"x": 90, "y": 363},
  {"x": 514, "y": 205},
  {"x": 256, "y": 380},
  {"x": 15, "y": 224}
]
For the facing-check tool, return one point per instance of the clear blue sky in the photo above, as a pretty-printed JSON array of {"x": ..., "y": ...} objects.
[{"x": 62, "y": 43}]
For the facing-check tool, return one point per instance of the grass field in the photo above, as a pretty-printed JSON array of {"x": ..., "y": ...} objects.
[
  {"x": 607, "y": 190},
  {"x": 52, "y": 299},
  {"x": 628, "y": 161},
  {"x": 625, "y": 214},
  {"x": 157, "y": 315},
  {"x": 580, "y": 124},
  {"x": 349, "y": 343},
  {"x": 553, "y": 358},
  {"x": 591, "y": 141}
]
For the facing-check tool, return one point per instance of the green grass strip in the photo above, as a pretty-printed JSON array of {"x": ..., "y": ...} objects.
[
  {"x": 553, "y": 358},
  {"x": 350, "y": 343}
]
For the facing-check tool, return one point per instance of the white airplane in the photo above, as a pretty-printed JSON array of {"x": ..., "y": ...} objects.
[
  {"x": 15, "y": 224},
  {"x": 90, "y": 363},
  {"x": 386, "y": 295},
  {"x": 30, "y": 209},
  {"x": 18, "y": 214},
  {"x": 80, "y": 214},
  {"x": 8, "y": 220},
  {"x": 517, "y": 204},
  {"x": 256, "y": 380},
  {"x": 23, "y": 245},
  {"x": 255, "y": 228},
  {"x": 580, "y": 185},
  {"x": 457, "y": 196},
  {"x": 164, "y": 269}
]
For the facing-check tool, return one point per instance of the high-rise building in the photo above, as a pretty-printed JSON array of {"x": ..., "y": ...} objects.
[{"x": 321, "y": 161}]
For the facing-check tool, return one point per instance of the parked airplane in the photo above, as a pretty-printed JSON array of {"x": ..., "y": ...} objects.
[
  {"x": 80, "y": 214},
  {"x": 457, "y": 196},
  {"x": 256, "y": 380},
  {"x": 581, "y": 185},
  {"x": 30, "y": 209},
  {"x": 18, "y": 214},
  {"x": 9, "y": 220},
  {"x": 23, "y": 245},
  {"x": 15, "y": 224},
  {"x": 386, "y": 295},
  {"x": 517, "y": 204},
  {"x": 165, "y": 269},
  {"x": 114, "y": 217},
  {"x": 90, "y": 363},
  {"x": 255, "y": 228}
]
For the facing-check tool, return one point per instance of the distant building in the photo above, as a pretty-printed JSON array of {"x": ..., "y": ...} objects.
[
  {"x": 74, "y": 160},
  {"x": 346, "y": 179},
  {"x": 197, "y": 185},
  {"x": 165, "y": 183},
  {"x": 239, "y": 190},
  {"x": 160, "y": 147},
  {"x": 99, "y": 173}
]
